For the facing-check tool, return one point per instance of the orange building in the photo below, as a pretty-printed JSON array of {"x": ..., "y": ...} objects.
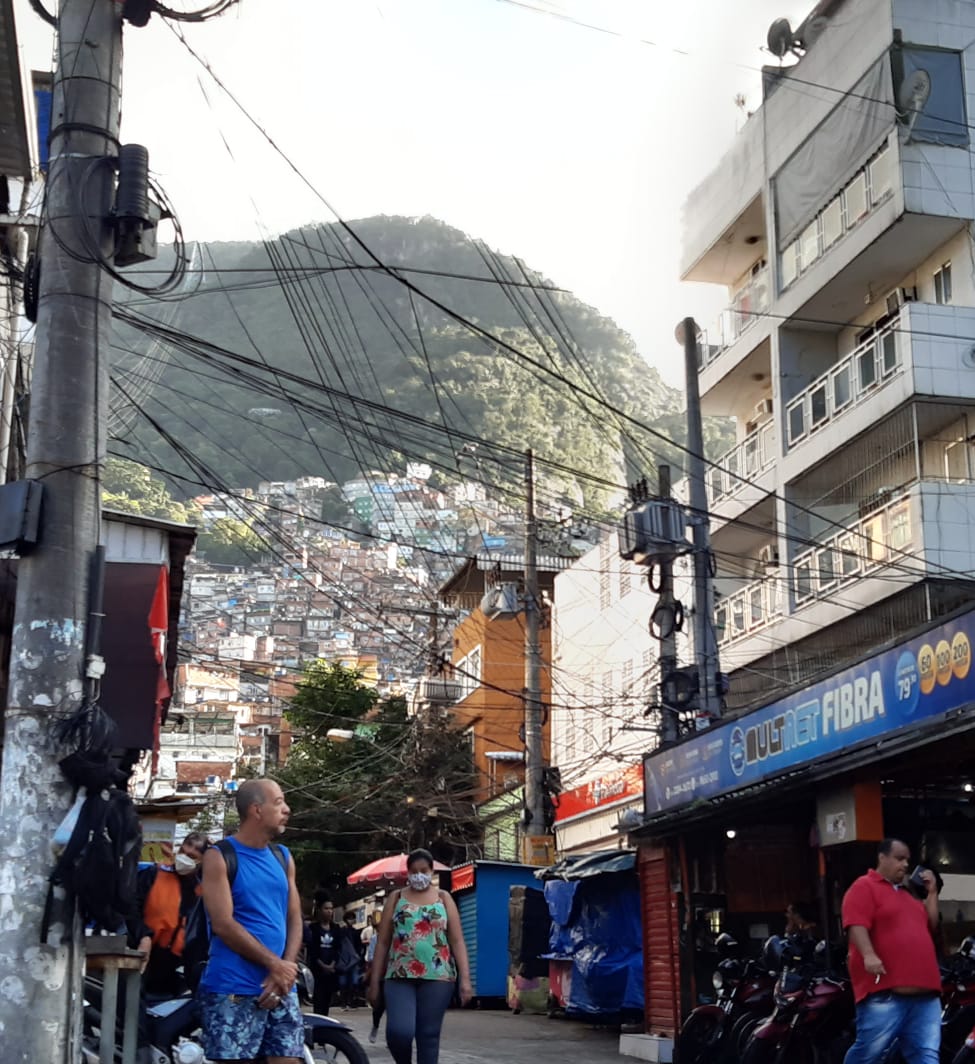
[{"x": 488, "y": 662}]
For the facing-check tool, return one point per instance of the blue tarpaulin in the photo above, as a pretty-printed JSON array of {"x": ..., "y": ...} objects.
[{"x": 596, "y": 925}]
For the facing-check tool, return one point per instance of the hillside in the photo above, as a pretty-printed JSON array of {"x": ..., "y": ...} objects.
[{"x": 336, "y": 366}]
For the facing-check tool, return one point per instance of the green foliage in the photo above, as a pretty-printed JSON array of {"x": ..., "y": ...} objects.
[
  {"x": 356, "y": 331},
  {"x": 398, "y": 783},
  {"x": 132, "y": 489},
  {"x": 230, "y": 541}
]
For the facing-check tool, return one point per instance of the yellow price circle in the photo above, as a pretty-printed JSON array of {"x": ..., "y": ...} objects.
[
  {"x": 961, "y": 655},
  {"x": 942, "y": 662},
  {"x": 925, "y": 668}
]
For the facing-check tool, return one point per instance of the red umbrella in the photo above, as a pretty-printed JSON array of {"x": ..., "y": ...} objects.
[{"x": 386, "y": 870}]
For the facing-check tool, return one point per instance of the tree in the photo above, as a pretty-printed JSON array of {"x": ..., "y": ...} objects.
[
  {"x": 399, "y": 782},
  {"x": 230, "y": 542},
  {"x": 131, "y": 488}
]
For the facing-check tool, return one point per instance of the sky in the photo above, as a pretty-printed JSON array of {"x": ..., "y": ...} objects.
[{"x": 569, "y": 147}]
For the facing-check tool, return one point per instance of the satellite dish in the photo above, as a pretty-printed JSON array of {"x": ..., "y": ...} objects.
[
  {"x": 780, "y": 38},
  {"x": 912, "y": 96}
]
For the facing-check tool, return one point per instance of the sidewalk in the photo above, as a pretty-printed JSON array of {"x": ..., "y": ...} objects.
[{"x": 471, "y": 1036}]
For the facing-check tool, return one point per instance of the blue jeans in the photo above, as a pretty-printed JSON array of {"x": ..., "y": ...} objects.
[
  {"x": 415, "y": 1010},
  {"x": 914, "y": 1023}
]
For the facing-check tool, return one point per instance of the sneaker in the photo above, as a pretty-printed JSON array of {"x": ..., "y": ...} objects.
[{"x": 373, "y": 1035}]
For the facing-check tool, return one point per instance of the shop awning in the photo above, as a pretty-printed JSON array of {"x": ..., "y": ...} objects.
[{"x": 583, "y": 865}]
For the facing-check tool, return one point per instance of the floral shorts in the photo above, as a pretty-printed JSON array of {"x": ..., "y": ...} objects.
[{"x": 235, "y": 1028}]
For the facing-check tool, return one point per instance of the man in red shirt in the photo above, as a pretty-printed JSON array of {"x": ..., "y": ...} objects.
[{"x": 892, "y": 961}]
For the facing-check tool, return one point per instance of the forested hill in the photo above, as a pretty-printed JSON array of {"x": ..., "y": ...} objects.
[{"x": 313, "y": 361}]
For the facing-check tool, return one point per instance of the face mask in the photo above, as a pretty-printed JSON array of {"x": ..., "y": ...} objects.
[
  {"x": 419, "y": 880},
  {"x": 184, "y": 864}
]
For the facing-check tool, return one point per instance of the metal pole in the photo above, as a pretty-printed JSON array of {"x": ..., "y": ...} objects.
[
  {"x": 705, "y": 643},
  {"x": 665, "y": 615},
  {"x": 40, "y": 1005},
  {"x": 534, "y": 755}
]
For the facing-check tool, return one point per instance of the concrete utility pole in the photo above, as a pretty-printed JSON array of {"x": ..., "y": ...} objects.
[
  {"x": 534, "y": 759},
  {"x": 40, "y": 1002},
  {"x": 705, "y": 643},
  {"x": 664, "y": 619}
]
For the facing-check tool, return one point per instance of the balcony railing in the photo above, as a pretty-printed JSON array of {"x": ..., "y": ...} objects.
[
  {"x": 749, "y": 304},
  {"x": 875, "y": 540},
  {"x": 744, "y": 462},
  {"x": 848, "y": 383},
  {"x": 748, "y": 610}
]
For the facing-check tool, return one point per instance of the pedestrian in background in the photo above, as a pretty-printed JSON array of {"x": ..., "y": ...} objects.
[
  {"x": 322, "y": 951},
  {"x": 349, "y": 963},
  {"x": 892, "y": 961},
  {"x": 378, "y": 1005},
  {"x": 420, "y": 956}
]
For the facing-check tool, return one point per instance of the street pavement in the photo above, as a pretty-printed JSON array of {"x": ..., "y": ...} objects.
[{"x": 489, "y": 1036}]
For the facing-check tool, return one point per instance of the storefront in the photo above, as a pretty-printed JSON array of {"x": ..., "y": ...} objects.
[
  {"x": 586, "y": 817},
  {"x": 788, "y": 802}
]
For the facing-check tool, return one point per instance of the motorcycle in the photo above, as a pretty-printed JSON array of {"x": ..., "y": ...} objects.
[
  {"x": 812, "y": 1021},
  {"x": 957, "y": 1001},
  {"x": 743, "y": 991},
  {"x": 169, "y": 1030}
]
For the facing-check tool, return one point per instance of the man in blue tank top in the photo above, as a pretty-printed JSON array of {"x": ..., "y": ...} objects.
[{"x": 247, "y": 993}]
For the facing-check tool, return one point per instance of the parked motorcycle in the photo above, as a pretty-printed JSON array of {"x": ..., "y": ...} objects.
[
  {"x": 812, "y": 1022},
  {"x": 957, "y": 1001},
  {"x": 743, "y": 990},
  {"x": 169, "y": 1030}
]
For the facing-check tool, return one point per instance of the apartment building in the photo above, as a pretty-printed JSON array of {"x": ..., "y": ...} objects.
[
  {"x": 841, "y": 517},
  {"x": 840, "y": 224}
]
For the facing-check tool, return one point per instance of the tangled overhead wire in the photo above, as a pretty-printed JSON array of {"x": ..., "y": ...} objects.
[{"x": 138, "y": 12}]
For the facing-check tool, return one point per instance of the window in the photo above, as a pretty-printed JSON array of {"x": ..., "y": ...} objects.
[
  {"x": 467, "y": 672},
  {"x": 605, "y": 594},
  {"x": 942, "y": 284},
  {"x": 833, "y": 222},
  {"x": 855, "y": 198},
  {"x": 626, "y": 580}
]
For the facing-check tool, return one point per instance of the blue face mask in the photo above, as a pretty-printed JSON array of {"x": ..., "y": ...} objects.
[{"x": 419, "y": 880}]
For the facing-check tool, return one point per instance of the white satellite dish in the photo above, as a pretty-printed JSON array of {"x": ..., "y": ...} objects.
[{"x": 912, "y": 96}]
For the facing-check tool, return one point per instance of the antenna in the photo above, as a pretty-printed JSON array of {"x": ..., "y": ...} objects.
[
  {"x": 780, "y": 38},
  {"x": 912, "y": 96}
]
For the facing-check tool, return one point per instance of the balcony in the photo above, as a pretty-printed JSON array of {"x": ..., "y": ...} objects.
[
  {"x": 847, "y": 384},
  {"x": 748, "y": 610},
  {"x": 749, "y": 304},
  {"x": 745, "y": 461},
  {"x": 882, "y": 537}
]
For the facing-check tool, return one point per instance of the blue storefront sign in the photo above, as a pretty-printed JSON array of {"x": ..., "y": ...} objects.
[{"x": 915, "y": 682}]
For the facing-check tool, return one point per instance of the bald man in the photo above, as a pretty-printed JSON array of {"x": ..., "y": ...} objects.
[{"x": 247, "y": 993}]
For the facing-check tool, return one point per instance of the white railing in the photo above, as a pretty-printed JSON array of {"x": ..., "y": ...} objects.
[
  {"x": 748, "y": 610},
  {"x": 878, "y": 539},
  {"x": 749, "y": 304},
  {"x": 744, "y": 462},
  {"x": 852, "y": 380}
]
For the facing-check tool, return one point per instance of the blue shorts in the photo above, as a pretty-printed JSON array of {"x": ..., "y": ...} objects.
[{"x": 235, "y": 1028}]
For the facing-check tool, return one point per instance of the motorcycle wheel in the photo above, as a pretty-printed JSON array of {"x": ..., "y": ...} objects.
[
  {"x": 336, "y": 1047},
  {"x": 700, "y": 1041},
  {"x": 763, "y": 1051},
  {"x": 740, "y": 1033}
]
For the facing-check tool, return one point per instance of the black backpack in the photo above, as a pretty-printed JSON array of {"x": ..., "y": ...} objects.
[
  {"x": 99, "y": 866},
  {"x": 196, "y": 934}
]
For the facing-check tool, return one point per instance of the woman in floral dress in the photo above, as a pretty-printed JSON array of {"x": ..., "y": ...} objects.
[{"x": 420, "y": 955}]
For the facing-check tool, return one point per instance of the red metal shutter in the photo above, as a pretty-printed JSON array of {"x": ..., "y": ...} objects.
[{"x": 661, "y": 964}]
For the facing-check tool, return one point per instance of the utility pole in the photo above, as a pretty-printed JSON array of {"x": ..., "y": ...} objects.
[
  {"x": 664, "y": 620},
  {"x": 705, "y": 643},
  {"x": 40, "y": 1004},
  {"x": 534, "y": 754}
]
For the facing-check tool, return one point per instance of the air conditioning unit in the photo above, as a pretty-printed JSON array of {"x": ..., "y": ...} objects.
[
  {"x": 769, "y": 556},
  {"x": 502, "y": 600},
  {"x": 763, "y": 410},
  {"x": 896, "y": 299}
]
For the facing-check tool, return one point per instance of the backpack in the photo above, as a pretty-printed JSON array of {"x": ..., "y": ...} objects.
[
  {"x": 196, "y": 932},
  {"x": 99, "y": 865}
]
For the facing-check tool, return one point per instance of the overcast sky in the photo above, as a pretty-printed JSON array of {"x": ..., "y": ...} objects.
[{"x": 569, "y": 147}]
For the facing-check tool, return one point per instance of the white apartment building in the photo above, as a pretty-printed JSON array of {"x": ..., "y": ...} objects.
[
  {"x": 604, "y": 676},
  {"x": 840, "y": 222}
]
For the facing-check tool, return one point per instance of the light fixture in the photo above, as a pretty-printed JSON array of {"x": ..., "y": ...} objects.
[
  {"x": 968, "y": 788},
  {"x": 731, "y": 833}
]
